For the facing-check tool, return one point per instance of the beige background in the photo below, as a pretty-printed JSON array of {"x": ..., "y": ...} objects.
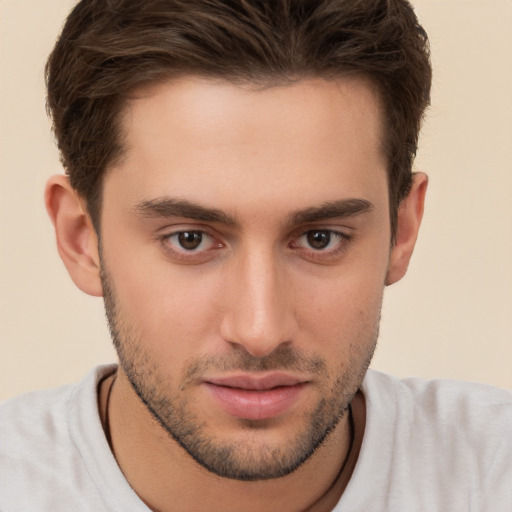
[{"x": 450, "y": 317}]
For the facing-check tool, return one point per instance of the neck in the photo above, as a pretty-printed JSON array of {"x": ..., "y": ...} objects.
[{"x": 166, "y": 478}]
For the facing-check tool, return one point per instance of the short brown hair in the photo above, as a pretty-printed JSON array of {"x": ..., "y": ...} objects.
[{"x": 108, "y": 48}]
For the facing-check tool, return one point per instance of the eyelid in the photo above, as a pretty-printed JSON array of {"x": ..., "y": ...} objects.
[
  {"x": 344, "y": 231},
  {"x": 191, "y": 256},
  {"x": 322, "y": 255},
  {"x": 172, "y": 229},
  {"x": 345, "y": 235},
  {"x": 205, "y": 239}
]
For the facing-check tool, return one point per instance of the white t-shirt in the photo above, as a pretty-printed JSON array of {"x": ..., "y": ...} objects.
[{"x": 429, "y": 446}]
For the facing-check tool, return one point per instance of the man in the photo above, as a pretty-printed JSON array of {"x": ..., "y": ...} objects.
[{"x": 238, "y": 188}]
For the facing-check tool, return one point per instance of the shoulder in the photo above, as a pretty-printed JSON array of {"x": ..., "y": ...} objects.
[
  {"x": 434, "y": 445},
  {"x": 28, "y": 412},
  {"x": 441, "y": 401},
  {"x": 29, "y": 425},
  {"x": 450, "y": 413},
  {"x": 38, "y": 416},
  {"x": 38, "y": 448}
]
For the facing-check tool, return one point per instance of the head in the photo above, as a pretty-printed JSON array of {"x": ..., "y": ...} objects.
[
  {"x": 108, "y": 49},
  {"x": 245, "y": 166}
]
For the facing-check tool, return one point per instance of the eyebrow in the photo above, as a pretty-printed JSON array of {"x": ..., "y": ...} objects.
[
  {"x": 331, "y": 210},
  {"x": 169, "y": 207}
]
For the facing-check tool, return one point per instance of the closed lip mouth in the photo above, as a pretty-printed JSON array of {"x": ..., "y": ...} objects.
[{"x": 254, "y": 382}]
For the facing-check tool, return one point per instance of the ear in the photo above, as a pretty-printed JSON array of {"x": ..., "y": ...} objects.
[
  {"x": 410, "y": 213},
  {"x": 77, "y": 242}
]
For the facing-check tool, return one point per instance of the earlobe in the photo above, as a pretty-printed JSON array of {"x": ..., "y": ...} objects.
[
  {"x": 410, "y": 214},
  {"x": 77, "y": 242}
]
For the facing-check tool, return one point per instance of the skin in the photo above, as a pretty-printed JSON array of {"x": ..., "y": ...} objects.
[{"x": 259, "y": 294}]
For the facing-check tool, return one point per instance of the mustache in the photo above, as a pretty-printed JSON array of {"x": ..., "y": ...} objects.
[{"x": 284, "y": 358}]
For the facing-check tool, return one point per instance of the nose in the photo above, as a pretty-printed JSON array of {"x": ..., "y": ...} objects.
[{"x": 259, "y": 312}]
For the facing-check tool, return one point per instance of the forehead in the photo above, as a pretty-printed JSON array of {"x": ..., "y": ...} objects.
[{"x": 216, "y": 142}]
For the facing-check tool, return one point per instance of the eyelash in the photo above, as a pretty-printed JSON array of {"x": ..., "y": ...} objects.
[
  {"x": 200, "y": 256},
  {"x": 323, "y": 255},
  {"x": 191, "y": 256}
]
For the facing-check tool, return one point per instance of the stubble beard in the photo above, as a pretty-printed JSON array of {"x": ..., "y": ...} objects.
[{"x": 250, "y": 459}]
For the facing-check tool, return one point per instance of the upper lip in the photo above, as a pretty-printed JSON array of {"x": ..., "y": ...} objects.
[{"x": 256, "y": 382}]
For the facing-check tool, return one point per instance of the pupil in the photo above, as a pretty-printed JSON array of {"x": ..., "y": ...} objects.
[
  {"x": 319, "y": 239},
  {"x": 190, "y": 240}
]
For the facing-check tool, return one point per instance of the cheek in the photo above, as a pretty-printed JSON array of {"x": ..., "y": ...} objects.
[
  {"x": 342, "y": 312},
  {"x": 169, "y": 310}
]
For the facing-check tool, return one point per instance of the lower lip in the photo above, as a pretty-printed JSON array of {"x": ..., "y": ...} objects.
[{"x": 255, "y": 405}]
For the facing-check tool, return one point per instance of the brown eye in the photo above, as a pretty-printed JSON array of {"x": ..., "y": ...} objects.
[
  {"x": 190, "y": 240},
  {"x": 321, "y": 246},
  {"x": 193, "y": 246},
  {"x": 318, "y": 239}
]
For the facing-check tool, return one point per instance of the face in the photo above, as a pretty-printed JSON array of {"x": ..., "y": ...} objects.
[{"x": 245, "y": 246}]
